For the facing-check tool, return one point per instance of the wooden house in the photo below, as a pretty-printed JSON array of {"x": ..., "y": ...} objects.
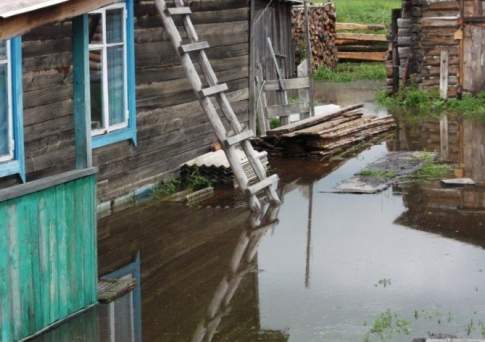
[
  {"x": 439, "y": 43},
  {"x": 94, "y": 109}
]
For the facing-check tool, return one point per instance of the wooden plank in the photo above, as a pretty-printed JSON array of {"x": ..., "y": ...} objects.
[
  {"x": 444, "y": 74},
  {"x": 44, "y": 183},
  {"x": 355, "y": 26},
  {"x": 312, "y": 121},
  {"x": 287, "y": 84},
  {"x": 217, "y": 89},
  {"x": 193, "y": 47},
  {"x": 363, "y": 56},
  {"x": 21, "y": 24},
  {"x": 238, "y": 138},
  {"x": 267, "y": 182},
  {"x": 82, "y": 92},
  {"x": 284, "y": 119},
  {"x": 179, "y": 11},
  {"x": 444, "y": 138},
  {"x": 360, "y": 37}
]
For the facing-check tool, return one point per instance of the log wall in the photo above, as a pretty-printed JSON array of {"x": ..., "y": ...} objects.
[
  {"x": 172, "y": 128},
  {"x": 428, "y": 27}
]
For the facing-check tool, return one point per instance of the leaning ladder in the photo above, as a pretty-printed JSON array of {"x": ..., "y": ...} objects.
[{"x": 206, "y": 96}]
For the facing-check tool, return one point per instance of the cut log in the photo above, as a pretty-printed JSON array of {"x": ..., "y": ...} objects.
[{"x": 363, "y": 56}]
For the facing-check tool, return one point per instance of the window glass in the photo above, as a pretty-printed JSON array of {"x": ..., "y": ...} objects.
[
  {"x": 3, "y": 49},
  {"x": 96, "y": 86},
  {"x": 4, "y": 103},
  {"x": 114, "y": 26},
  {"x": 116, "y": 84},
  {"x": 95, "y": 29},
  {"x": 108, "y": 69}
]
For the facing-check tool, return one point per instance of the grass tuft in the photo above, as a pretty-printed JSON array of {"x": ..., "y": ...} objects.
[{"x": 348, "y": 72}]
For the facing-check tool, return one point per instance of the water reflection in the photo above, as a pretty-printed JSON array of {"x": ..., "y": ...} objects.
[{"x": 328, "y": 267}]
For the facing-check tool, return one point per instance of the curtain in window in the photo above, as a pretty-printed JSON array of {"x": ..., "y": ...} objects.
[
  {"x": 116, "y": 69},
  {"x": 4, "y": 119}
]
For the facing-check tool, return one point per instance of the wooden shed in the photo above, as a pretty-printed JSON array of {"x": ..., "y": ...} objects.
[{"x": 440, "y": 39}]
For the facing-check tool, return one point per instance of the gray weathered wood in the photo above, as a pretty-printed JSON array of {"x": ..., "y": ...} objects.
[
  {"x": 444, "y": 74},
  {"x": 285, "y": 110},
  {"x": 192, "y": 47},
  {"x": 269, "y": 181},
  {"x": 287, "y": 84},
  {"x": 44, "y": 183},
  {"x": 444, "y": 138},
  {"x": 214, "y": 90},
  {"x": 238, "y": 138},
  {"x": 179, "y": 11}
]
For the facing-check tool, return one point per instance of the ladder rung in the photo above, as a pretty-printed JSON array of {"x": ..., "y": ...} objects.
[
  {"x": 238, "y": 138},
  {"x": 186, "y": 48},
  {"x": 219, "y": 88},
  {"x": 254, "y": 189},
  {"x": 178, "y": 11}
]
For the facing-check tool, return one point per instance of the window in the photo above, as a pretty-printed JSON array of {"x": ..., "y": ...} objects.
[
  {"x": 111, "y": 74},
  {"x": 11, "y": 123},
  {"x": 6, "y": 116}
]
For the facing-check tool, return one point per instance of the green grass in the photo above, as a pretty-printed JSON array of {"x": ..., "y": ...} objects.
[
  {"x": 192, "y": 182},
  {"x": 414, "y": 105},
  {"x": 364, "y": 11},
  {"x": 379, "y": 174},
  {"x": 348, "y": 72}
]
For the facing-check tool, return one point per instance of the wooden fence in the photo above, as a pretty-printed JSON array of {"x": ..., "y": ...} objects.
[{"x": 48, "y": 259}]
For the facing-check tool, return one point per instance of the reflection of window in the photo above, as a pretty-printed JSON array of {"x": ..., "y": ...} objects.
[
  {"x": 11, "y": 123},
  {"x": 108, "y": 65}
]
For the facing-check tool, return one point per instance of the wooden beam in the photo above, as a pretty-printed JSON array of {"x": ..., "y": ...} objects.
[
  {"x": 363, "y": 56},
  {"x": 287, "y": 84},
  {"x": 43, "y": 183},
  {"x": 82, "y": 95},
  {"x": 444, "y": 74},
  {"x": 21, "y": 24},
  {"x": 355, "y": 26}
]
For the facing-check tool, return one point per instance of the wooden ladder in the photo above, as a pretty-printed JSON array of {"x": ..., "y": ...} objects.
[{"x": 215, "y": 90}]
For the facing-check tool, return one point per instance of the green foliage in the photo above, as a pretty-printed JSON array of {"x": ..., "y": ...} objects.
[
  {"x": 196, "y": 182},
  {"x": 415, "y": 105},
  {"x": 386, "y": 325},
  {"x": 348, "y": 72},
  {"x": 364, "y": 11},
  {"x": 432, "y": 171},
  {"x": 192, "y": 182},
  {"x": 380, "y": 174},
  {"x": 275, "y": 122}
]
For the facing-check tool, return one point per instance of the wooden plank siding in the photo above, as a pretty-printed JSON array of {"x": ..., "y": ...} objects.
[
  {"x": 48, "y": 256},
  {"x": 172, "y": 128}
]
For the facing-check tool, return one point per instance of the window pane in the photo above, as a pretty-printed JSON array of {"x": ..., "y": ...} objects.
[
  {"x": 3, "y": 49},
  {"x": 96, "y": 74},
  {"x": 4, "y": 119},
  {"x": 116, "y": 87},
  {"x": 114, "y": 26},
  {"x": 95, "y": 29}
]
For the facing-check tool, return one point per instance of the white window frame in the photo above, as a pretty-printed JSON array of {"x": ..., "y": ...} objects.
[
  {"x": 10, "y": 136},
  {"x": 103, "y": 47}
]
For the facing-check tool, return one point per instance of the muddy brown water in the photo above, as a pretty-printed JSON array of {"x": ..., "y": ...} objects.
[{"x": 332, "y": 268}]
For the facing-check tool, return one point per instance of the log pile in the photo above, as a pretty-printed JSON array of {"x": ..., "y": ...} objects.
[
  {"x": 361, "y": 46},
  {"x": 324, "y": 136},
  {"x": 322, "y": 34}
]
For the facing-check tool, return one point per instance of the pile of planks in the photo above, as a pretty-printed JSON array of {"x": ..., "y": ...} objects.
[
  {"x": 322, "y": 34},
  {"x": 356, "y": 46},
  {"x": 327, "y": 135}
]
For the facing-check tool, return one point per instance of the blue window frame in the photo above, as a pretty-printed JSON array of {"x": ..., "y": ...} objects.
[
  {"x": 111, "y": 73},
  {"x": 11, "y": 109}
]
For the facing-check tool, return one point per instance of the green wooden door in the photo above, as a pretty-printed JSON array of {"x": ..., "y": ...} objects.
[{"x": 48, "y": 260}]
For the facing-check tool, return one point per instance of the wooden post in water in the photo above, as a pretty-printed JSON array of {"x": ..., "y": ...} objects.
[
  {"x": 444, "y": 73},
  {"x": 309, "y": 56}
]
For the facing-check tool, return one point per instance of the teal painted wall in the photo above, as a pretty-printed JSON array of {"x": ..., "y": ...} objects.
[{"x": 48, "y": 259}]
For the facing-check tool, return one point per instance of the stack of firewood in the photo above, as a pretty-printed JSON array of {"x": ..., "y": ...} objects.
[
  {"x": 325, "y": 136},
  {"x": 322, "y": 34}
]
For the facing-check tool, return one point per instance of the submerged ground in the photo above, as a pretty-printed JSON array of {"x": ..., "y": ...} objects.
[{"x": 335, "y": 267}]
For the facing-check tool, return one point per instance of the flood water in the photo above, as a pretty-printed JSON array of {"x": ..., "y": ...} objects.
[{"x": 333, "y": 267}]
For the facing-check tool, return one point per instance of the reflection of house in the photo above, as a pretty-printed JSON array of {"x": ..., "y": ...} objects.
[{"x": 88, "y": 83}]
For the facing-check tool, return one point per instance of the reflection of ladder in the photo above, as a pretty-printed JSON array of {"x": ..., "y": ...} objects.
[{"x": 240, "y": 137}]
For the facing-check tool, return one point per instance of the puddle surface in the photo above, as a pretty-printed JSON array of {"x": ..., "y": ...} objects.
[{"x": 333, "y": 266}]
